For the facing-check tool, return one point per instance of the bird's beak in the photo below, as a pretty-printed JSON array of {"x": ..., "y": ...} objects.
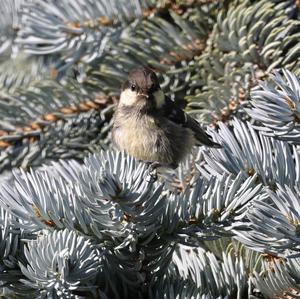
[{"x": 143, "y": 95}]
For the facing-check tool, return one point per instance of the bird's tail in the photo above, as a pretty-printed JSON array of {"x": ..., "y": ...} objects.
[{"x": 205, "y": 139}]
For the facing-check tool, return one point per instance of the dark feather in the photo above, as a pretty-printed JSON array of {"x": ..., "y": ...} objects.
[{"x": 178, "y": 116}]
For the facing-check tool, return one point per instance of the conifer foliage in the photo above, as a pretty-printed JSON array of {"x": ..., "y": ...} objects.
[{"x": 79, "y": 219}]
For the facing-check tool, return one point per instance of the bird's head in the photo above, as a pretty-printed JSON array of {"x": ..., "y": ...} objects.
[{"x": 142, "y": 89}]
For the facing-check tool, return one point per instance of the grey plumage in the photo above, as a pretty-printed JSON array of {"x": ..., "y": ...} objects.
[{"x": 150, "y": 127}]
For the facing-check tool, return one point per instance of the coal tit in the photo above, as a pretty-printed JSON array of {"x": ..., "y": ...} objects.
[{"x": 150, "y": 127}]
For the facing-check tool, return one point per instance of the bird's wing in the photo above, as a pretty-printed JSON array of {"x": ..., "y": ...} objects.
[{"x": 178, "y": 116}]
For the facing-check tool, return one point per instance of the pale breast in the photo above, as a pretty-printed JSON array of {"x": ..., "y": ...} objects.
[
  {"x": 138, "y": 137},
  {"x": 152, "y": 139}
]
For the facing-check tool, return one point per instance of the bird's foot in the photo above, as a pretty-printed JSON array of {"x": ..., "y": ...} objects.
[
  {"x": 153, "y": 166},
  {"x": 152, "y": 170}
]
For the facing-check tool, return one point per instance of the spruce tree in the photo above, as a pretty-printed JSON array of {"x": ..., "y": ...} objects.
[{"x": 79, "y": 219}]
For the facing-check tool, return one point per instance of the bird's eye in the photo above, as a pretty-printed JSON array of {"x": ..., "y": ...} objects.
[{"x": 133, "y": 87}]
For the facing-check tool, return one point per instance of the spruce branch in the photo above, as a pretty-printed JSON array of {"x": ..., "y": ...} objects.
[
  {"x": 276, "y": 218},
  {"x": 23, "y": 70},
  {"x": 250, "y": 152},
  {"x": 48, "y": 102},
  {"x": 108, "y": 200},
  {"x": 208, "y": 212},
  {"x": 59, "y": 194},
  {"x": 171, "y": 287},
  {"x": 278, "y": 279},
  {"x": 74, "y": 30},
  {"x": 9, "y": 26},
  {"x": 211, "y": 276},
  {"x": 59, "y": 264},
  {"x": 72, "y": 141},
  {"x": 80, "y": 122},
  {"x": 276, "y": 105},
  {"x": 248, "y": 41},
  {"x": 17, "y": 68},
  {"x": 11, "y": 250},
  {"x": 241, "y": 27},
  {"x": 238, "y": 272}
]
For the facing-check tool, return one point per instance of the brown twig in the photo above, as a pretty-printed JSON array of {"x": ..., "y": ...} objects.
[
  {"x": 98, "y": 103},
  {"x": 39, "y": 216}
]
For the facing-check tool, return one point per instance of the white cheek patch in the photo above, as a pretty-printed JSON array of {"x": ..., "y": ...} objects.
[
  {"x": 159, "y": 97},
  {"x": 128, "y": 97}
]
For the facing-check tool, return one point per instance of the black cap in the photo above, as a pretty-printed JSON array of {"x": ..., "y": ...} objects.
[{"x": 144, "y": 79}]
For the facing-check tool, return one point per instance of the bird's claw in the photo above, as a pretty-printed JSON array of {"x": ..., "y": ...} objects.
[
  {"x": 153, "y": 166},
  {"x": 152, "y": 170}
]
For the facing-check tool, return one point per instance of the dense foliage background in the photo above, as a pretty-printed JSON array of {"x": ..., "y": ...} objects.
[{"x": 80, "y": 220}]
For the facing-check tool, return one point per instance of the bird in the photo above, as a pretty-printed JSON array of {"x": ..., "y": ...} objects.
[{"x": 149, "y": 126}]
